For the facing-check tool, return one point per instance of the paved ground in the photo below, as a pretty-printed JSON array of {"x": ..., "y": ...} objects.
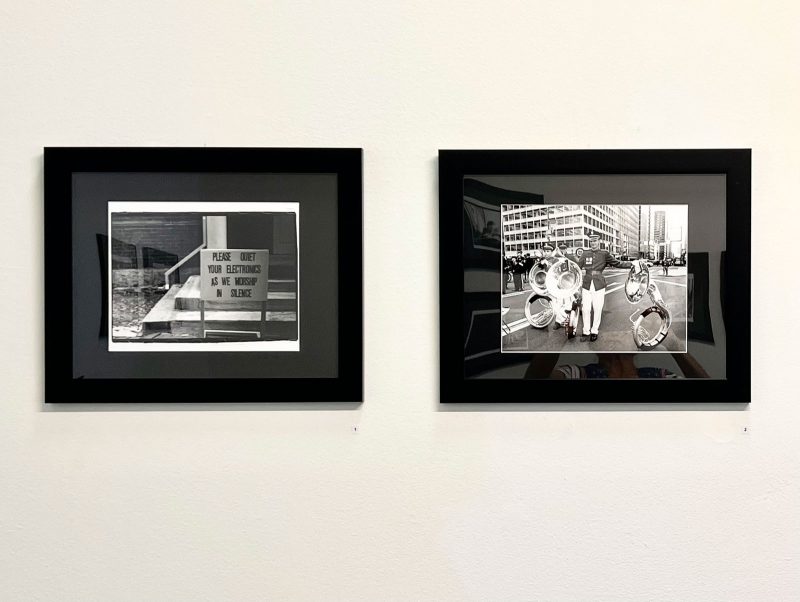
[{"x": 615, "y": 328}]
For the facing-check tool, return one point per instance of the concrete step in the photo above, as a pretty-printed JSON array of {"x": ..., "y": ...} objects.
[
  {"x": 159, "y": 317},
  {"x": 281, "y": 296},
  {"x": 165, "y": 317},
  {"x": 279, "y": 326}
]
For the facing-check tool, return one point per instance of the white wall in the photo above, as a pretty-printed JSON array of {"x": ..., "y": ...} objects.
[{"x": 418, "y": 503}]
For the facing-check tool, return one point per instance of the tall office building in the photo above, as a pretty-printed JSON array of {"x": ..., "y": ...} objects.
[
  {"x": 628, "y": 231},
  {"x": 528, "y": 227},
  {"x": 660, "y": 233},
  {"x": 660, "y": 226},
  {"x": 645, "y": 235}
]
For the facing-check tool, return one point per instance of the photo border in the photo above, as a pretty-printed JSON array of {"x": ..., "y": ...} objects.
[
  {"x": 60, "y": 163},
  {"x": 168, "y": 207},
  {"x": 454, "y": 165},
  {"x": 639, "y": 306}
]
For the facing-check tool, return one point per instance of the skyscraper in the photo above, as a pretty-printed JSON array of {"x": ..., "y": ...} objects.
[
  {"x": 660, "y": 233},
  {"x": 660, "y": 226},
  {"x": 645, "y": 238}
]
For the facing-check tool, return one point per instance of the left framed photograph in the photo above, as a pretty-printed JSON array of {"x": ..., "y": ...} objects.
[{"x": 220, "y": 275}]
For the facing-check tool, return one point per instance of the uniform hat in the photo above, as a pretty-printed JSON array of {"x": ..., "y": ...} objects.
[
  {"x": 547, "y": 246},
  {"x": 562, "y": 245},
  {"x": 594, "y": 236}
]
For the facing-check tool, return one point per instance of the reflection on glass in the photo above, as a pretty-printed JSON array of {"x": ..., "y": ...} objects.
[
  {"x": 611, "y": 365},
  {"x": 610, "y": 227}
]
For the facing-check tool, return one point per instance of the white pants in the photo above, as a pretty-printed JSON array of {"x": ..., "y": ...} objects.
[{"x": 592, "y": 300}]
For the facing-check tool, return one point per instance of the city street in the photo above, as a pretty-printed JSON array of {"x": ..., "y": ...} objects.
[{"x": 615, "y": 329}]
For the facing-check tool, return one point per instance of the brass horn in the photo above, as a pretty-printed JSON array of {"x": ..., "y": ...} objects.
[
  {"x": 641, "y": 336},
  {"x": 538, "y": 275},
  {"x": 542, "y": 317},
  {"x": 563, "y": 279},
  {"x": 637, "y": 284}
]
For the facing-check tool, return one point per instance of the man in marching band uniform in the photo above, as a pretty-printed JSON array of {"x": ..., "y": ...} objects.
[{"x": 593, "y": 261}]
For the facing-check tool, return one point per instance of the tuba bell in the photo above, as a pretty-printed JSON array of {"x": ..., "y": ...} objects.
[
  {"x": 538, "y": 275},
  {"x": 645, "y": 339},
  {"x": 541, "y": 315},
  {"x": 563, "y": 279}
]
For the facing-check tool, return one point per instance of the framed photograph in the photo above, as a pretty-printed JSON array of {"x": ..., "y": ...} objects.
[
  {"x": 593, "y": 267},
  {"x": 203, "y": 275}
]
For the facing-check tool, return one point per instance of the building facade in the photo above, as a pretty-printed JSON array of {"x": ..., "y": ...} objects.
[
  {"x": 660, "y": 227},
  {"x": 645, "y": 234},
  {"x": 528, "y": 227}
]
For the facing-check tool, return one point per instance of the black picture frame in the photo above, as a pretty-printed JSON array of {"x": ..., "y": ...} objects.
[
  {"x": 202, "y": 379},
  {"x": 460, "y": 380}
]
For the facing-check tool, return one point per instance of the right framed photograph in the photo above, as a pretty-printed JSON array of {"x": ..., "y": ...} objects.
[{"x": 594, "y": 273}]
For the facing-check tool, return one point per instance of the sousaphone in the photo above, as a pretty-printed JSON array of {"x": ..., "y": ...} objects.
[
  {"x": 538, "y": 275},
  {"x": 539, "y": 310},
  {"x": 563, "y": 279},
  {"x": 636, "y": 286}
]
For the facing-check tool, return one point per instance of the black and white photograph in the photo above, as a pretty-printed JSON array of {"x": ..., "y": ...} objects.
[
  {"x": 599, "y": 278},
  {"x": 192, "y": 275},
  {"x": 221, "y": 275},
  {"x": 592, "y": 266}
]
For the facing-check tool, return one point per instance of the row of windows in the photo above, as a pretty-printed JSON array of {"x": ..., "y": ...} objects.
[
  {"x": 539, "y": 223},
  {"x": 557, "y": 234},
  {"x": 602, "y": 211},
  {"x": 598, "y": 213},
  {"x": 559, "y": 217},
  {"x": 572, "y": 244},
  {"x": 603, "y": 214},
  {"x": 553, "y": 215},
  {"x": 598, "y": 224},
  {"x": 560, "y": 233},
  {"x": 559, "y": 221},
  {"x": 524, "y": 214}
]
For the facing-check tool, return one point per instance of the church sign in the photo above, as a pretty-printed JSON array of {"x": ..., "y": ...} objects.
[{"x": 233, "y": 274}]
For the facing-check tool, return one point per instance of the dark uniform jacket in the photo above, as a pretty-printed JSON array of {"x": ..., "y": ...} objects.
[
  {"x": 529, "y": 261},
  {"x": 519, "y": 265},
  {"x": 594, "y": 262}
]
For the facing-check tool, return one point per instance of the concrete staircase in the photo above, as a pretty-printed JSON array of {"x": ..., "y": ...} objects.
[{"x": 177, "y": 314}]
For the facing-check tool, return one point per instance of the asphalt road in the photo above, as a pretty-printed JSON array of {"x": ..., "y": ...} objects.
[{"x": 615, "y": 328}]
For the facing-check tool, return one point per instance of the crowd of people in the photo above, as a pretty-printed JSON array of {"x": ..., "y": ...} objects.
[{"x": 516, "y": 269}]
